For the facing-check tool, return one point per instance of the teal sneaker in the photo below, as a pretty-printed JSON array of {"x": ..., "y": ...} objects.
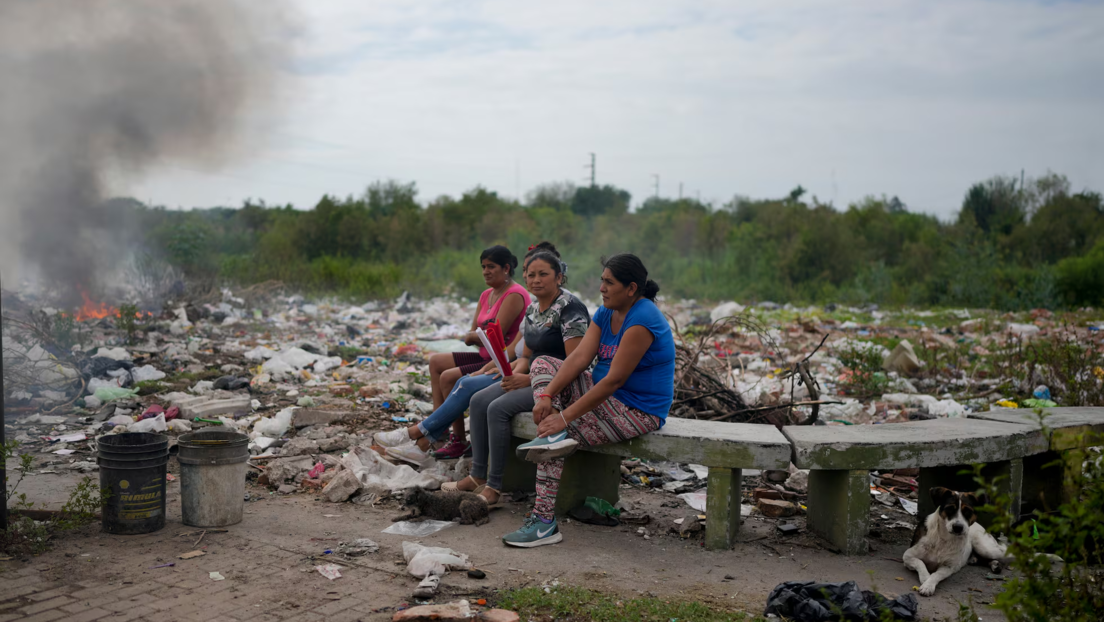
[
  {"x": 547, "y": 447},
  {"x": 534, "y": 532}
]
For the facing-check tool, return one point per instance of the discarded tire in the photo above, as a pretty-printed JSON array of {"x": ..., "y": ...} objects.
[
  {"x": 132, "y": 473},
  {"x": 212, "y": 477}
]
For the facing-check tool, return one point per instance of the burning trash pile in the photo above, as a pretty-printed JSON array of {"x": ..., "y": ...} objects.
[{"x": 310, "y": 381}]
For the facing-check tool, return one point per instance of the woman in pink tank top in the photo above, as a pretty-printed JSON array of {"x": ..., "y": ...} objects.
[{"x": 503, "y": 300}]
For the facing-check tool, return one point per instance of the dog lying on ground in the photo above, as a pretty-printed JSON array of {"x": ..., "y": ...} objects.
[
  {"x": 467, "y": 507},
  {"x": 949, "y": 538}
]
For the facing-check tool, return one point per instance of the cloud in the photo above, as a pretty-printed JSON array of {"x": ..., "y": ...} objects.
[{"x": 849, "y": 98}]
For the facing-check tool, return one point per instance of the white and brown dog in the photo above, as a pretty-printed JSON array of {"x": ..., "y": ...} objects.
[{"x": 948, "y": 538}]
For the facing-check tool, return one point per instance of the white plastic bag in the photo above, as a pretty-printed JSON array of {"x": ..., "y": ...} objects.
[
  {"x": 427, "y": 560},
  {"x": 153, "y": 424},
  {"x": 418, "y": 529},
  {"x": 276, "y": 426},
  {"x": 180, "y": 425}
]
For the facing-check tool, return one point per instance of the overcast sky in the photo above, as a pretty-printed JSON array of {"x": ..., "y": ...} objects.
[{"x": 847, "y": 98}]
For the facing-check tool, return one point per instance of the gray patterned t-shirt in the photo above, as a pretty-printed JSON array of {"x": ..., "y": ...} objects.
[{"x": 545, "y": 332}]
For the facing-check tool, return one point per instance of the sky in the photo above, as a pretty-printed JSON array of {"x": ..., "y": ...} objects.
[{"x": 848, "y": 99}]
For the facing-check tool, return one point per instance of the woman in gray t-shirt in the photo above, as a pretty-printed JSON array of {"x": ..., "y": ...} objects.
[{"x": 554, "y": 325}]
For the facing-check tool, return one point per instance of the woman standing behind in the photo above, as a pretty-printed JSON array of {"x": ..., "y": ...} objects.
[
  {"x": 628, "y": 394},
  {"x": 503, "y": 300},
  {"x": 554, "y": 326}
]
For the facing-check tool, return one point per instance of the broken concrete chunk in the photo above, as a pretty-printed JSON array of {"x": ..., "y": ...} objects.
[
  {"x": 459, "y": 611},
  {"x": 307, "y": 417},
  {"x": 776, "y": 509},
  {"x": 299, "y": 447},
  {"x": 286, "y": 489},
  {"x": 341, "y": 487},
  {"x": 284, "y": 469}
]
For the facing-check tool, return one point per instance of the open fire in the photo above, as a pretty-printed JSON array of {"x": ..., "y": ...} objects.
[{"x": 92, "y": 310}]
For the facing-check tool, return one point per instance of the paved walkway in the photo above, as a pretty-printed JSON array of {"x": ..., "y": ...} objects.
[{"x": 263, "y": 583}]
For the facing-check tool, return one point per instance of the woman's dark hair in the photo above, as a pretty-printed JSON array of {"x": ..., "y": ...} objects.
[
  {"x": 542, "y": 246},
  {"x": 502, "y": 256},
  {"x": 551, "y": 260},
  {"x": 627, "y": 268}
]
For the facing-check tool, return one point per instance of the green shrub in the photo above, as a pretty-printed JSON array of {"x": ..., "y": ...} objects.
[{"x": 1041, "y": 590}]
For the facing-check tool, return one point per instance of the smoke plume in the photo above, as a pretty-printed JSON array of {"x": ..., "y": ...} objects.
[{"x": 95, "y": 94}]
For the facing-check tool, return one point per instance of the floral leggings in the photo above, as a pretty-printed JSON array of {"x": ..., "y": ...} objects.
[{"x": 611, "y": 422}]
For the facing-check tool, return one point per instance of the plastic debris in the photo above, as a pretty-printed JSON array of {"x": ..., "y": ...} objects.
[
  {"x": 809, "y": 601},
  {"x": 215, "y": 576},
  {"x": 330, "y": 571},
  {"x": 420, "y": 529},
  {"x": 695, "y": 500}
]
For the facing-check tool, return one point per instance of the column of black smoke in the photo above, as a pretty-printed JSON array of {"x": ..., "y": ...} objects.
[{"x": 96, "y": 93}]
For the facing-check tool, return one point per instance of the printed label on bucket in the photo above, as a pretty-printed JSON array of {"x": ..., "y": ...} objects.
[{"x": 142, "y": 504}]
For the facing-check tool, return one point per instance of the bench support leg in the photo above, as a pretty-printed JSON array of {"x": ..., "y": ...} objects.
[
  {"x": 585, "y": 474},
  {"x": 1011, "y": 473},
  {"x": 722, "y": 508},
  {"x": 588, "y": 474},
  {"x": 839, "y": 508},
  {"x": 520, "y": 475}
]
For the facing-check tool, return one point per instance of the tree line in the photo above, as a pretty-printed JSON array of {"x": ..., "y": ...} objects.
[{"x": 1011, "y": 246}]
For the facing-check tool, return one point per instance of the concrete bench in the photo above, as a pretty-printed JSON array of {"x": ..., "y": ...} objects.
[
  {"x": 1047, "y": 476},
  {"x": 840, "y": 458},
  {"x": 726, "y": 448}
]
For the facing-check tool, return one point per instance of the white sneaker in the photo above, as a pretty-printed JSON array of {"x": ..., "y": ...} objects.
[
  {"x": 410, "y": 453},
  {"x": 394, "y": 438}
]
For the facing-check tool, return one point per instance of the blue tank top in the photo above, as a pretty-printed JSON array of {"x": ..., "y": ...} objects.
[{"x": 651, "y": 387}]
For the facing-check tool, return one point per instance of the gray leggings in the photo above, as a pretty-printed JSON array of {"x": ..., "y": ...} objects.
[{"x": 490, "y": 413}]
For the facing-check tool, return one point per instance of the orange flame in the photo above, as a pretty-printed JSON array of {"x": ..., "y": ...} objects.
[{"x": 94, "y": 310}]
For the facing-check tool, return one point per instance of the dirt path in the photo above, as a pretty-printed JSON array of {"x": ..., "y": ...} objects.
[{"x": 268, "y": 563}]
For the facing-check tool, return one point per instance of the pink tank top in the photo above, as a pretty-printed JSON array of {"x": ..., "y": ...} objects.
[{"x": 486, "y": 315}]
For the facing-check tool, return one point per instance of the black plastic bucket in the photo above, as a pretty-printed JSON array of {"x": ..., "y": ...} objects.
[{"x": 132, "y": 471}]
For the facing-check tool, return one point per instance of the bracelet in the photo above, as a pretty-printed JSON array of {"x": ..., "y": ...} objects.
[
  {"x": 564, "y": 419},
  {"x": 544, "y": 395}
]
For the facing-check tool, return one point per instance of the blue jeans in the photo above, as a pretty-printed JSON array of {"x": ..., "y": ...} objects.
[{"x": 436, "y": 425}]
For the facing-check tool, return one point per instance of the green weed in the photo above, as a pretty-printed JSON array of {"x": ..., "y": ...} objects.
[{"x": 575, "y": 604}]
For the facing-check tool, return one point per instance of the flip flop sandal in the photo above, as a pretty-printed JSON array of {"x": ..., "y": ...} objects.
[
  {"x": 498, "y": 496},
  {"x": 453, "y": 486}
]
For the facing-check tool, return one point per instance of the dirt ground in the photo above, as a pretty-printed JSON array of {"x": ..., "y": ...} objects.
[{"x": 268, "y": 562}]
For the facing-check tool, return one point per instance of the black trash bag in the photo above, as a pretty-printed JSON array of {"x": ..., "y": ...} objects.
[
  {"x": 809, "y": 601},
  {"x": 97, "y": 366}
]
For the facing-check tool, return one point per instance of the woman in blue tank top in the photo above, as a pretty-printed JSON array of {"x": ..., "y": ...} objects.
[{"x": 628, "y": 393}]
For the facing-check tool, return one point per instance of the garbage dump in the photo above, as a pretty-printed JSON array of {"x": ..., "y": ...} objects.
[{"x": 310, "y": 381}]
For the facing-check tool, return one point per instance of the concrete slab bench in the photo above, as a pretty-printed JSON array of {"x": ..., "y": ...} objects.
[
  {"x": 1047, "y": 476},
  {"x": 726, "y": 448},
  {"x": 840, "y": 458}
]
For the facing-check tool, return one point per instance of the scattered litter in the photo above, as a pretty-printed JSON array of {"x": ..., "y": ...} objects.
[
  {"x": 358, "y": 547},
  {"x": 910, "y": 506},
  {"x": 168, "y": 565},
  {"x": 420, "y": 529},
  {"x": 695, "y": 500},
  {"x": 192, "y": 554},
  {"x": 809, "y": 601},
  {"x": 215, "y": 576},
  {"x": 425, "y": 560},
  {"x": 330, "y": 571}
]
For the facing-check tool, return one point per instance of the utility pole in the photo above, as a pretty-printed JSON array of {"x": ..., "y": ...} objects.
[
  {"x": 656, "y": 176},
  {"x": 593, "y": 169},
  {"x": 680, "y": 191}
]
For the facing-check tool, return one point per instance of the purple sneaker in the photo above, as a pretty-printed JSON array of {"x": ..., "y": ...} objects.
[{"x": 453, "y": 450}]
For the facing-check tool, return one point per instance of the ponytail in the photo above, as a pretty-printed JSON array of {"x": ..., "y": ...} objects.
[{"x": 627, "y": 268}]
